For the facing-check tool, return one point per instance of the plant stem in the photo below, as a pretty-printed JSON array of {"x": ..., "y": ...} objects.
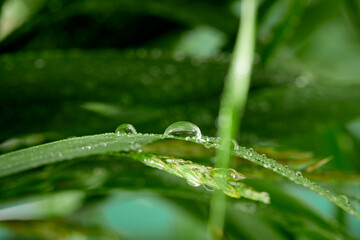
[{"x": 233, "y": 104}]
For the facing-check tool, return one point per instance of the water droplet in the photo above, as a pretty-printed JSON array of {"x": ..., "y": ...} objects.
[
  {"x": 229, "y": 174},
  {"x": 236, "y": 175},
  {"x": 158, "y": 164},
  {"x": 250, "y": 152},
  {"x": 183, "y": 129},
  {"x": 298, "y": 173},
  {"x": 352, "y": 208},
  {"x": 125, "y": 129},
  {"x": 265, "y": 196},
  {"x": 208, "y": 144},
  {"x": 344, "y": 199},
  {"x": 234, "y": 145},
  {"x": 193, "y": 183}
]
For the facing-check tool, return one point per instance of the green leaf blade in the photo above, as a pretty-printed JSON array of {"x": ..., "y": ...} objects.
[{"x": 62, "y": 150}]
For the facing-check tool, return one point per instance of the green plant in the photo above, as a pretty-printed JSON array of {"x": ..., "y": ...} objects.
[{"x": 47, "y": 96}]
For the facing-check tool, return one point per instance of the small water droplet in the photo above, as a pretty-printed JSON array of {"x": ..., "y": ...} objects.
[
  {"x": 125, "y": 129},
  {"x": 234, "y": 145},
  {"x": 183, "y": 129},
  {"x": 193, "y": 183},
  {"x": 298, "y": 173},
  {"x": 344, "y": 199},
  {"x": 208, "y": 144},
  {"x": 352, "y": 208},
  {"x": 88, "y": 147},
  {"x": 265, "y": 196},
  {"x": 236, "y": 175}
]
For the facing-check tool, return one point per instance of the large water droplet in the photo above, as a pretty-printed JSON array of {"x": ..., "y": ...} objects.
[
  {"x": 125, "y": 129},
  {"x": 183, "y": 129},
  {"x": 298, "y": 173}
]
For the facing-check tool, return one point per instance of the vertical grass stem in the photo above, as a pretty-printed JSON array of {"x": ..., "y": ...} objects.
[{"x": 232, "y": 105}]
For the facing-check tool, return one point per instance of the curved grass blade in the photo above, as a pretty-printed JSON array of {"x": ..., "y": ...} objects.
[
  {"x": 294, "y": 176},
  {"x": 195, "y": 174},
  {"x": 67, "y": 149},
  {"x": 279, "y": 32}
]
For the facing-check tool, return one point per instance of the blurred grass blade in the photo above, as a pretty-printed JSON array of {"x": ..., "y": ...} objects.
[
  {"x": 232, "y": 105},
  {"x": 271, "y": 38},
  {"x": 100, "y": 87},
  {"x": 353, "y": 10},
  {"x": 285, "y": 111}
]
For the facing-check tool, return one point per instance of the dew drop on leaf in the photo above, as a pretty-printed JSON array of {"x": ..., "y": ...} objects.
[
  {"x": 183, "y": 129},
  {"x": 343, "y": 199},
  {"x": 125, "y": 129},
  {"x": 193, "y": 183},
  {"x": 235, "y": 175},
  {"x": 298, "y": 173},
  {"x": 234, "y": 145}
]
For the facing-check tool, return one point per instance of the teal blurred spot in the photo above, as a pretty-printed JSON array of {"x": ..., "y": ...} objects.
[{"x": 140, "y": 216}]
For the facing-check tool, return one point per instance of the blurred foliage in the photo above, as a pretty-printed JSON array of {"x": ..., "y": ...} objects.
[{"x": 74, "y": 68}]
